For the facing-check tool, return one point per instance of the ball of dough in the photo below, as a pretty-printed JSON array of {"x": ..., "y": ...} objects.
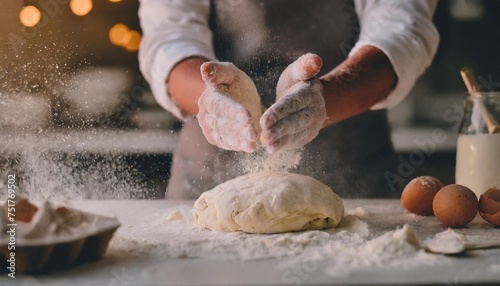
[{"x": 269, "y": 202}]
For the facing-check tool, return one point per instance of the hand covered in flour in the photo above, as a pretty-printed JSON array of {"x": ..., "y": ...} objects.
[
  {"x": 229, "y": 108},
  {"x": 299, "y": 112}
]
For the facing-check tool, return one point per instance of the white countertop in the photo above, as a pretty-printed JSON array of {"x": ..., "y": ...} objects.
[{"x": 120, "y": 267}]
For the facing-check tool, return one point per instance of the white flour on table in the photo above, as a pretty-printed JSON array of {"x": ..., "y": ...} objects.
[{"x": 349, "y": 247}]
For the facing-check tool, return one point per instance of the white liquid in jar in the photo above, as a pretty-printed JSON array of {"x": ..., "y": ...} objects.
[{"x": 478, "y": 162}]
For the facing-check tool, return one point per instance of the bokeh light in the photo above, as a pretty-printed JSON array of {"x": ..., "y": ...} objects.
[
  {"x": 30, "y": 16},
  {"x": 80, "y": 7},
  {"x": 119, "y": 34},
  {"x": 115, "y": 1},
  {"x": 133, "y": 42}
]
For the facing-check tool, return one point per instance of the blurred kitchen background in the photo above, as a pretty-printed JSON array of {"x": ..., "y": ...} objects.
[{"x": 77, "y": 119}]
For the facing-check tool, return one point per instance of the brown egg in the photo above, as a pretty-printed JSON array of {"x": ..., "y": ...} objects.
[
  {"x": 489, "y": 206},
  {"x": 418, "y": 195},
  {"x": 455, "y": 205}
]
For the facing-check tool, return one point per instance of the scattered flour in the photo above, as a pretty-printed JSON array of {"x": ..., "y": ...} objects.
[
  {"x": 63, "y": 176},
  {"x": 260, "y": 161},
  {"x": 49, "y": 88},
  {"x": 349, "y": 247},
  {"x": 495, "y": 268}
]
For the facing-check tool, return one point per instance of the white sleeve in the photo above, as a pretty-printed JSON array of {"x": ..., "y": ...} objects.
[
  {"x": 404, "y": 31},
  {"x": 173, "y": 30}
]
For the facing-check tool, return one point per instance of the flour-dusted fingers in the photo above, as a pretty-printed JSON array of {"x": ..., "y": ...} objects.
[
  {"x": 227, "y": 127},
  {"x": 227, "y": 133},
  {"x": 304, "y": 68},
  {"x": 229, "y": 107},
  {"x": 276, "y": 145},
  {"x": 290, "y": 125},
  {"x": 214, "y": 73},
  {"x": 296, "y": 117},
  {"x": 300, "y": 96},
  {"x": 293, "y": 140},
  {"x": 226, "y": 141},
  {"x": 238, "y": 144},
  {"x": 215, "y": 102},
  {"x": 233, "y": 143}
]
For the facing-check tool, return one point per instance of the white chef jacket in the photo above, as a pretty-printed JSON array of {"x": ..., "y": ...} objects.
[{"x": 174, "y": 30}]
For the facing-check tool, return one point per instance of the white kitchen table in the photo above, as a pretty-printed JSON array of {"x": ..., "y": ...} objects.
[{"x": 124, "y": 268}]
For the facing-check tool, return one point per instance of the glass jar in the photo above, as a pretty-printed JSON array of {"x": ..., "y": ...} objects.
[{"x": 478, "y": 146}]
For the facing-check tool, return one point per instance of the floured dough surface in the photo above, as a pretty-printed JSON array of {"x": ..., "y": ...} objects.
[{"x": 269, "y": 202}]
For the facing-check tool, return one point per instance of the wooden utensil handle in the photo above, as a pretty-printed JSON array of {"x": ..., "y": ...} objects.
[
  {"x": 482, "y": 245},
  {"x": 471, "y": 84}
]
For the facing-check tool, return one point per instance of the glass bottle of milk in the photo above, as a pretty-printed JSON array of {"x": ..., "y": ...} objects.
[{"x": 478, "y": 146}]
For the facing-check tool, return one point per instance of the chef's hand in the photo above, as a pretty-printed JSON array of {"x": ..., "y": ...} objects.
[
  {"x": 299, "y": 112},
  {"x": 224, "y": 120}
]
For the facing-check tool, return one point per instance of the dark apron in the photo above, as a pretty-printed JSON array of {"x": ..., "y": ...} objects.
[{"x": 262, "y": 38}]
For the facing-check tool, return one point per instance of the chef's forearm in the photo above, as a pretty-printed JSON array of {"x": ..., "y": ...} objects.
[
  {"x": 185, "y": 85},
  {"x": 358, "y": 83}
]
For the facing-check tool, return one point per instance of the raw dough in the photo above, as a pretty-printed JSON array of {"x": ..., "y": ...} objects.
[{"x": 269, "y": 202}]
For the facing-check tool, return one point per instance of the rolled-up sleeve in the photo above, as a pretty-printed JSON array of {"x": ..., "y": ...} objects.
[
  {"x": 404, "y": 31},
  {"x": 173, "y": 30}
]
